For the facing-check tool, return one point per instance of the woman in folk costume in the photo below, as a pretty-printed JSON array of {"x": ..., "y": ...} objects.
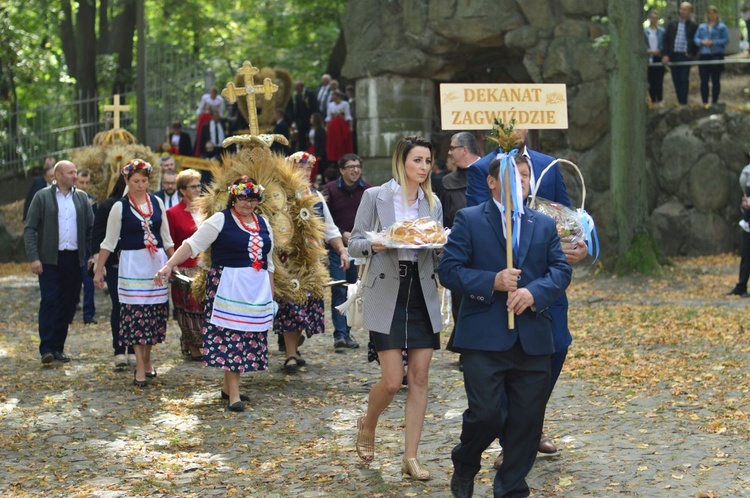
[
  {"x": 309, "y": 316},
  {"x": 239, "y": 306},
  {"x": 339, "y": 132},
  {"x": 138, "y": 222},
  {"x": 401, "y": 303},
  {"x": 203, "y": 118},
  {"x": 184, "y": 219}
]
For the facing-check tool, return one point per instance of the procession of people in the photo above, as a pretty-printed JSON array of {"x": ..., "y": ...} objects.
[{"x": 221, "y": 264}]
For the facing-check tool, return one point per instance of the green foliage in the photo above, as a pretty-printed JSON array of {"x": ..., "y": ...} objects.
[{"x": 296, "y": 35}]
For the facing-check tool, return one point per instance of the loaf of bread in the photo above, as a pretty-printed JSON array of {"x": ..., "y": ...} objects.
[{"x": 422, "y": 231}]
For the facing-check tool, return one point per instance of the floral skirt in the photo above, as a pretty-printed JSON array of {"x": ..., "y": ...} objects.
[
  {"x": 143, "y": 324},
  {"x": 308, "y": 317},
  {"x": 233, "y": 350},
  {"x": 187, "y": 311}
]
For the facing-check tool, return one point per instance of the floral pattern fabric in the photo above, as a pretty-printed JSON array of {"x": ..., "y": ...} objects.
[
  {"x": 233, "y": 350},
  {"x": 308, "y": 317},
  {"x": 143, "y": 324}
]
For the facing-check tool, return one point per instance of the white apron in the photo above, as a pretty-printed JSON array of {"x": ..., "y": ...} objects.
[
  {"x": 243, "y": 300},
  {"x": 135, "y": 283}
]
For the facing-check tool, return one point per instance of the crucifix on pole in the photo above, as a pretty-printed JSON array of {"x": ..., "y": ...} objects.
[
  {"x": 116, "y": 109},
  {"x": 231, "y": 93}
]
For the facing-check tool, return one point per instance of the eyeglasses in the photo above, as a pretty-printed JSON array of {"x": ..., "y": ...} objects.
[
  {"x": 454, "y": 147},
  {"x": 243, "y": 199},
  {"x": 352, "y": 166}
]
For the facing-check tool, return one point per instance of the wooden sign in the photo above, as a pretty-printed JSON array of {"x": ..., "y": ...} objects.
[{"x": 476, "y": 106}]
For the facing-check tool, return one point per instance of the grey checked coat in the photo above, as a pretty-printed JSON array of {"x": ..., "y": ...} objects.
[{"x": 382, "y": 279}]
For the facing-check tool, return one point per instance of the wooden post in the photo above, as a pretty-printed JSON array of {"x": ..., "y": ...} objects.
[{"x": 509, "y": 232}]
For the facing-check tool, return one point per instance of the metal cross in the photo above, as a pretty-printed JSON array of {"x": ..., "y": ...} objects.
[
  {"x": 116, "y": 109},
  {"x": 231, "y": 93}
]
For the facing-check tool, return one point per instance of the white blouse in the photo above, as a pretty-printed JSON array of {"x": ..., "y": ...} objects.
[
  {"x": 114, "y": 225},
  {"x": 341, "y": 109}
]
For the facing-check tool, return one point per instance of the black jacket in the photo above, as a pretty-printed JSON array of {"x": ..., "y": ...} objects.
[{"x": 671, "y": 34}]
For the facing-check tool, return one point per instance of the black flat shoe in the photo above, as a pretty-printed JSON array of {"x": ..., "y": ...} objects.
[
  {"x": 242, "y": 397},
  {"x": 151, "y": 375},
  {"x": 237, "y": 407},
  {"x": 291, "y": 365},
  {"x": 196, "y": 358},
  {"x": 139, "y": 383}
]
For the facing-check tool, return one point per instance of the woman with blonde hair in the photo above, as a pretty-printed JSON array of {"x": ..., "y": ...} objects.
[
  {"x": 712, "y": 37},
  {"x": 401, "y": 304},
  {"x": 184, "y": 219}
]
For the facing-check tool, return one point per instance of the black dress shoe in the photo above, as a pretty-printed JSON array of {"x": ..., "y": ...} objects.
[
  {"x": 737, "y": 291},
  {"x": 237, "y": 407},
  {"x": 351, "y": 343},
  {"x": 139, "y": 383},
  {"x": 60, "y": 357},
  {"x": 242, "y": 397},
  {"x": 462, "y": 487},
  {"x": 48, "y": 358},
  {"x": 90, "y": 322}
]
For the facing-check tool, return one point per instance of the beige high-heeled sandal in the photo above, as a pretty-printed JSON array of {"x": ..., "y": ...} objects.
[
  {"x": 365, "y": 442},
  {"x": 412, "y": 468}
]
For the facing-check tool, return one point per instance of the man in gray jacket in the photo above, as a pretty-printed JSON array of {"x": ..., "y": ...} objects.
[{"x": 57, "y": 229}]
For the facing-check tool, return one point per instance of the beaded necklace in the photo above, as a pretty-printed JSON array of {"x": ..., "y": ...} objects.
[
  {"x": 148, "y": 238},
  {"x": 255, "y": 244}
]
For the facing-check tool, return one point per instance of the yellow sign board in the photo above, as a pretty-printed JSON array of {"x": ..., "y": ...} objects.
[{"x": 476, "y": 106}]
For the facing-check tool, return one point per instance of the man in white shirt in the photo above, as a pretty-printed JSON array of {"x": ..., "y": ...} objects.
[
  {"x": 324, "y": 93},
  {"x": 58, "y": 225},
  {"x": 168, "y": 192}
]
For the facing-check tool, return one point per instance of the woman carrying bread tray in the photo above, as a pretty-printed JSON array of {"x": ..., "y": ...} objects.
[{"x": 401, "y": 303}]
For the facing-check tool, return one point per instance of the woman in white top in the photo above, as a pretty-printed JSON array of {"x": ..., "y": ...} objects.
[
  {"x": 339, "y": 133},
  {"x": 239, "y": 306},
  {"x": 139, "y": 223}
]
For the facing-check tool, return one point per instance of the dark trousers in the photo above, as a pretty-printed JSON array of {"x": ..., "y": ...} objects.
[
  {"x": 89, "y": 309},
  {"x": 338, "y": 292},
  {"x": 526, "y": 380},
  {"x": 114, "y": 316},
  {"x": 456, "y": 298},
  {"x": 744, "y": 262},
  {"x": 60, "y": 286},
  {"x": 712, "y": 73},
  {"x": 656, "y": 80},
  {"x": 680, "y": 77}
]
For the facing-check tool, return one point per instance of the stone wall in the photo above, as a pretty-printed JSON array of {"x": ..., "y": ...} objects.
[{"x": 399, "y": 51}]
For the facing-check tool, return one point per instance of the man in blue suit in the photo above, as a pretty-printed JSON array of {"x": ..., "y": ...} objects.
[
  {"x": 497, "y": 359},
  {"x": 551, "y": 187}
]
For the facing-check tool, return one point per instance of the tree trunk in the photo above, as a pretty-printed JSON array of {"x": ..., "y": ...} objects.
[
  {"x": 121, "y": 43},
  {"x": 627, "y": 89}
]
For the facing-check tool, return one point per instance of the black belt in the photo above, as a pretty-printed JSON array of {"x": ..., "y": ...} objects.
[{"x": 406, "y": 268}]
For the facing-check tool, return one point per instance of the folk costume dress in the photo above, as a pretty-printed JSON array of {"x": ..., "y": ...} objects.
[
  {"x": 143, "y": 233},
  {"x": 187, "y": 310},
  {"x": 310, "y": 315},
  {"x": 239, "y": 301},
  {"x": 338, "y": 135}
]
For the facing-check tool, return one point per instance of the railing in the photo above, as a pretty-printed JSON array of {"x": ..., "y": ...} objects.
[{"x": 174, "y": 84}]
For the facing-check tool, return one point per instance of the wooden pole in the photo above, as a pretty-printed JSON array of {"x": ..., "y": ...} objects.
[{"x": 509, "y": 233}]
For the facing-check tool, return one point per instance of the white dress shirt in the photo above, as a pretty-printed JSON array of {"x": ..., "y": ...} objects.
[{"x": 67, "y": 229}]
